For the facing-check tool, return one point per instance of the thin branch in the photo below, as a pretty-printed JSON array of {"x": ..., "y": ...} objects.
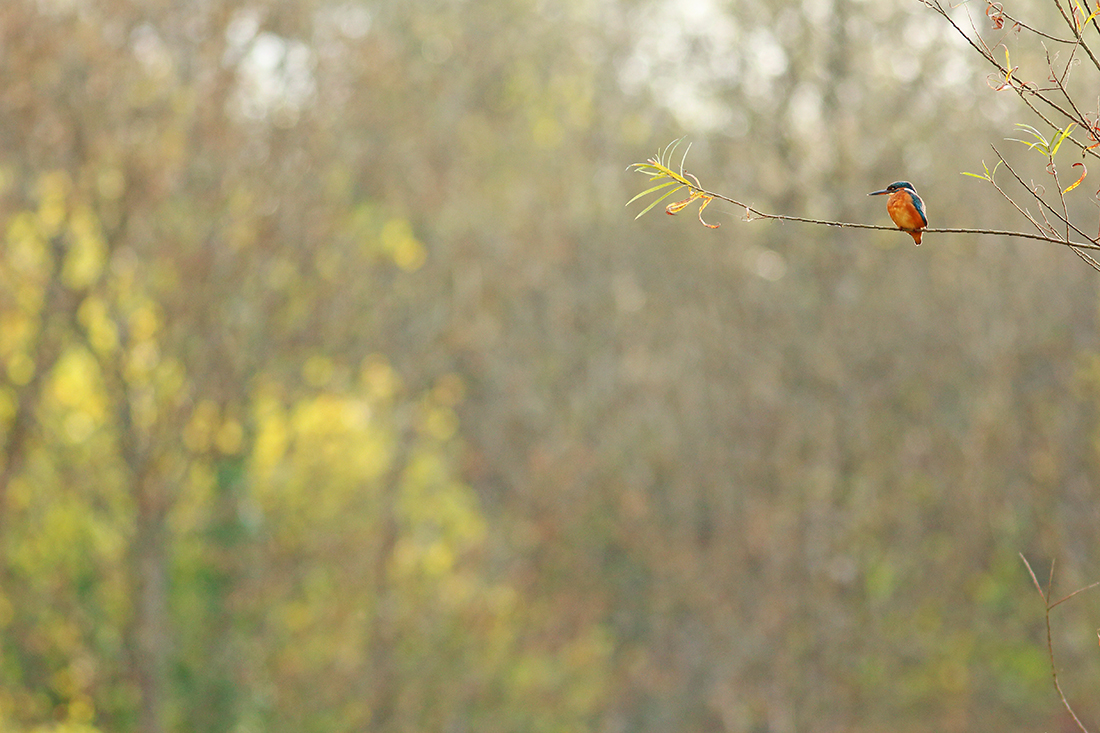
[
  {"x": 1022, "y": 89},
  {"x": 1088, "y": 259},
  {"x": 1084, "y": 148},
  {"x": 1071, "y": 595},
  {"x": 1085, "y": 257},
  {"x": 1041, "y": 201},
  {"x": 1016, "y": 21},
  {"x": 1033, "y": 578},
  {"x": 1061, "y": 195},
  {"x": 1070, "y": 225},
  {"x": 935, "y": 5},
  {"x": 657, "y": 169},
  {"x": 1061, "y": 81},
  {"x": 1077, "y": 33},
  {"x": 1048, "y": 606},
  {"x": 1023, "y": 212},
  {"x": 1054, "y": 676},
  {"x": 751, "y": 212},
  {"x": 1036, "y": 31}
]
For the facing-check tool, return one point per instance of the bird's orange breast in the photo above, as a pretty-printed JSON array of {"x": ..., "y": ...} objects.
[{"x": 903, "y": 212}]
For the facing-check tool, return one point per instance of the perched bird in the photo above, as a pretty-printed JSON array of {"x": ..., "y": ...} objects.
[{"x": 905, "y": 208}]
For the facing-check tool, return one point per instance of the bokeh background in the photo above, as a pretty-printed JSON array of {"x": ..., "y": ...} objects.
[{"x": 340, "y": 392}]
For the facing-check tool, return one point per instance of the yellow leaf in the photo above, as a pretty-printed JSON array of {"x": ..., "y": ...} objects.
[{"x": 1084, "y": 172}]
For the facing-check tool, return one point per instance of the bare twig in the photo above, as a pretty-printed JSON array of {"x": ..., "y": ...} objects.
[
  {"x": 1060, "y": 81},
  {"x": 1025, "y": 90},
  {"x": 1077, "y": 33},
  {"x": 754, "y": 213},
  {"x": 1090, "y": 261},
  {"x": 1042, "y": 202},
  {"x": 1048, "y": 607},
  {"x": 1071, "y": 595}
]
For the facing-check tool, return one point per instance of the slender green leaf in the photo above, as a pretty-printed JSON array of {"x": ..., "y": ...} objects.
[
  {"x": 683, "y": 159},
  {"x": 651, "y": 190},
  {"x": 1062, "y": 138},
  {"x": 988, "y": 175},
  {"x": 646, "y": 209},
  {"x": 666, "y": 157},
  {"x": 1041, "y": 145},
  {"x": 1032, "y": 130}
]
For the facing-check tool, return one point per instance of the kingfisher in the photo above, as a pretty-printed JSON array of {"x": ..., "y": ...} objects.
[{"x": 905, "y": 208}]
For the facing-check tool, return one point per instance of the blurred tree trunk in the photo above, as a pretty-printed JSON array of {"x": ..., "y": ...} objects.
[
  {"x": 150, "y": 620},
  {"x": 149, "y": 633}
]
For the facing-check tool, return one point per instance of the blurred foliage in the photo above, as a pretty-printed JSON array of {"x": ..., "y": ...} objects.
[{"x": 339, "y": 391}]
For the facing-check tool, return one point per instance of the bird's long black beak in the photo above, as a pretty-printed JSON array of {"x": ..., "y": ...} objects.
[{"x": 876, "y": 193}]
